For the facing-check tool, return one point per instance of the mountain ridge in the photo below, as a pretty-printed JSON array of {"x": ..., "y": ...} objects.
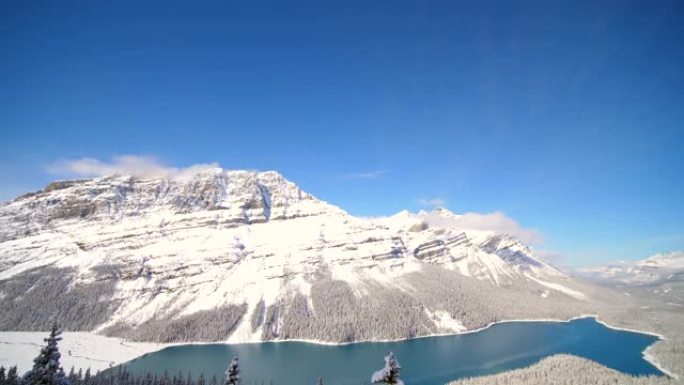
[
  {"x": 656, "y": 269},
  {"x": 251, "y": 256}
]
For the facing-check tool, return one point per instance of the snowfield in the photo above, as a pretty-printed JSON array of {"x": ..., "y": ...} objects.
[{"x": 80, "y": 350}]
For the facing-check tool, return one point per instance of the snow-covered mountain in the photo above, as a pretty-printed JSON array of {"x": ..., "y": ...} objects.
[
  {"x": 657, "y": 269},
  {"x": 245, "y": 256}
]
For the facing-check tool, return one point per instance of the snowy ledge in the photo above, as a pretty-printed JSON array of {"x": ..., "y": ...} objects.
[{"x": 84, "y": 350}]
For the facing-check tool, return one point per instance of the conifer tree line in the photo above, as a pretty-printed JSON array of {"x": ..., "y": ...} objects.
[{"x": 47, "y": 370}]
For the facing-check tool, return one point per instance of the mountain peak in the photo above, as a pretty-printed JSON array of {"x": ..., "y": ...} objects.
[
  {"x": 655, "y": 269},
  {"x": 444, "y": 212},
  {"x": 182, "y": 175},
  {"x": 240, "y": 196},
  {"x": 673, "y": 259}
]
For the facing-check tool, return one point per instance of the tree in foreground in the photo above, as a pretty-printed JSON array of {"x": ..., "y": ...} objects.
[
  {"x": 46, "y": 368},
  {"x": 12, "y": 378},
  {"x": 233, "y": 373},
  {"x": 390, "y": 373}
]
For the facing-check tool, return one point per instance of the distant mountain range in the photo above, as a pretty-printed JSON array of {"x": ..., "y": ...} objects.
[
  {"x": 221, "y": 255},
  {"x": 658, "y": 269},
  {"x": 660, "y": 277}
]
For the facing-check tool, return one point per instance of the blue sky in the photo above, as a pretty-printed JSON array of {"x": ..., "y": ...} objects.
[{"x": 567, "y": 116}]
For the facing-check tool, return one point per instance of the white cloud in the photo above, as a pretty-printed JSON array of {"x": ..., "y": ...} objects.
[
  {"x": 550, "y": 256},
  {"x": 135, "y": 165},
  {"x": 432, "y": 202},
  {"x": 496, "y": 221},
  {"x": 373, "y": 174},
  {"x": 501, "y": 223}
]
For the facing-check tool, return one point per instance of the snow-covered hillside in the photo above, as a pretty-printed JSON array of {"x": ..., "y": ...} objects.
[
  {"x": 657, "y": 269},
  {"x": 246, "y": 256}
]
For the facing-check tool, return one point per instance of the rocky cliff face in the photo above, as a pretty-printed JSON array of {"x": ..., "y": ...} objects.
[{"x": 237, "y": 255}]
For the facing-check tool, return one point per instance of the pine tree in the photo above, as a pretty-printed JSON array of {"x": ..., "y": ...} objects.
[
  {"x": 61, "y": 378},
  {"x": 165, "y": 379},
  {"x": 46, "y": 369},
  {"x": 2, "y": 375},
  {"x": 233, "y": 373},
  {"x": 390, "y": 373},
  {"x": 320, "y": 380},
  {"x": 12, "y": 377}
]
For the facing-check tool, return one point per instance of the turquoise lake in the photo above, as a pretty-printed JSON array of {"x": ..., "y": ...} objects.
[{"x": 428, "y": 361}]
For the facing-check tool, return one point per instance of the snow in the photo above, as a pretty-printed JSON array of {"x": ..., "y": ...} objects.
[
  {"x": 558, "y": 287},
  {"x": 445, "y": 322},
  {"x": 659, "y": 267},
  {"x": 391, "y": 364},
  {"x": 81, "y": 350}
]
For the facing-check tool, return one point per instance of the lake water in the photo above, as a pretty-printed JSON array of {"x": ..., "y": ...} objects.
[{"x": 426, "y": 361}]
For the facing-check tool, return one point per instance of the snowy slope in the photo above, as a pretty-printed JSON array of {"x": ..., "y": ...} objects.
[
  {"x": 656, "y": 269},
  {"x": 247, "y": 256},
  {"x": 80, "y": 350}
]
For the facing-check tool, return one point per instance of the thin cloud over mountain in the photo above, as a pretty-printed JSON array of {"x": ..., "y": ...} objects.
[
  {"x": 136, "y": 165},
  {"x": 496, "y": 221}
]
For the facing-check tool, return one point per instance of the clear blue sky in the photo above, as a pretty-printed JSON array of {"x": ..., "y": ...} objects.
[{"x": 568, "y": 116}]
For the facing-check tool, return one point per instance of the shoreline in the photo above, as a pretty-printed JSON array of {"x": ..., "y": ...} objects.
[
  {"x": 155, "y": 347},
  {"x": 464, "y": 332},
  {"x": 648, "y": 357}
]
